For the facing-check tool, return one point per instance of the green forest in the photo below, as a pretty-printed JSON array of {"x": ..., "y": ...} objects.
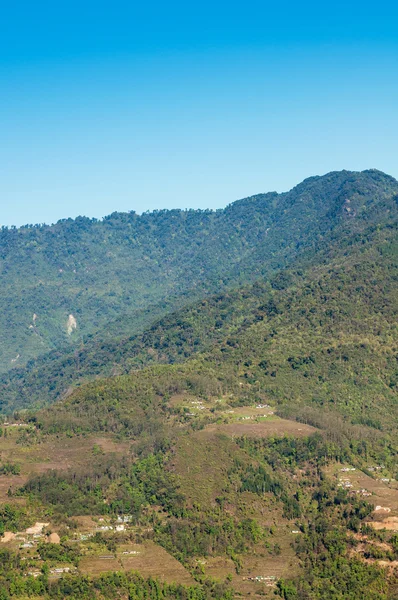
[
  {"x": 117, "y": 275},
  {"x": 227, "y": 400}
]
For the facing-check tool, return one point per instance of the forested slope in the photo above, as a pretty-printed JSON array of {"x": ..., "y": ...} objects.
[
  {"x": 214, "y": 482},
  {"x": 199, "y": 325},
  {"x": 325, "y": 338},
  {"x": 97, "y": 271},
  {"x": 250, "y": 435}
]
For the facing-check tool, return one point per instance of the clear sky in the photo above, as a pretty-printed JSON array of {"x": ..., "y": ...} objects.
[{"x": 116, "y": 105}]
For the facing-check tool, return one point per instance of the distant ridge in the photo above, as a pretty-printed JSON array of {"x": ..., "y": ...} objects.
[{"x": 118, "y": 276}]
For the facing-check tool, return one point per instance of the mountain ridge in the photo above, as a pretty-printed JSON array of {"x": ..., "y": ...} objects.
[
  {"x": 246, "y": 433},
  {"x": 316, "y": 215}
]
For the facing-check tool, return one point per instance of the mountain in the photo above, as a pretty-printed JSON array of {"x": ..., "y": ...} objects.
[
  {"x": 322, "y": 337},
  {"x": 243, "y": 441},
  {"x": 304, "y": 224},
  {"x": 61, "y": 283}
]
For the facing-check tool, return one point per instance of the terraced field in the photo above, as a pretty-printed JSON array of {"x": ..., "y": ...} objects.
[
  {"x": 149, "y": 559},
  {"x": 382, "y": 494},
  {"x": 50, "y": 452}
]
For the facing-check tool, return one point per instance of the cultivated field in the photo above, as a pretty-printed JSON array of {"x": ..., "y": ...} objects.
[
  {"x": 149, "y": 559},
  {"x": 50, "y": 453},
  {"x": 383, "y": 495},
  {"x": 272, "y": 426}
]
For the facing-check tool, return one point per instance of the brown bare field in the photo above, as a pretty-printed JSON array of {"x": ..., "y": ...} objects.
[
  {"x": 94, "y": 565},
  {"x": 383, "y": 495},
  {"x": 149, "y": 559},
  {"x": 52, "y": 453},
  {"x": 271, "y": 427},
  {"x": 248, "y": 411},
  {"x": 154, "y": 561},
  {"x": 14, "y": 482},
  {"x": 389, "y": 523},
  {"x": 183, "y": 399},
  {"x": 218, "y": 567},
  {"x": 86, "y": 523}
]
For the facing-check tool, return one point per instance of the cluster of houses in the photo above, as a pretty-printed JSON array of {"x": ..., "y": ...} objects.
[
  {"x": 35, "y": 538},
  {"x": 269, "y": 580},
  {"x": 31, "y": 536},
  {"x": 347, "y": 485},
  {"x": 247, "y": 418},
  {"x": 121, "y": 524},
  {"x": 364, "y": 492},
  {"x": 56, "y": 571},
  {"x": 198, "y": 404},
  {"x": 119, "y": 527},
  {"x": 380, "y": 468},
  {"x": 344, "y": 483},
  {"x": 382, "y": 509}
]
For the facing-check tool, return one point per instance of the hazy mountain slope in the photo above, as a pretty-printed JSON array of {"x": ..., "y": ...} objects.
[
  {"x": 195, "y": 452},
  {"x": 50, "y": 376},
  {"x": 96, "y": 270},
  {"x": 326, "y": 338},
  {"x": 211, "y": 321},
  {"x": 215, "y": 479}
]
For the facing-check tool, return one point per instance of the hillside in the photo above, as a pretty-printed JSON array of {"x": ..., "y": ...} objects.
[
  {"x": 222, "y": 496},
  {"x": 242, "y": 445},
  {"x": 93, "y": 272},
  {"x": 323, "y": 338},
  {"x": 196, "y": 327}
]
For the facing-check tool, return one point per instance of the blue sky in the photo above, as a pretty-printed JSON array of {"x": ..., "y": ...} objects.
[{"x": 110, "y": 106}]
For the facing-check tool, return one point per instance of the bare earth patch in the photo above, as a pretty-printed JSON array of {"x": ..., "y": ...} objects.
[
  {"x": 97, "y": 565},
  {"x": 149, "y": 559},
  {"x": 7, "y": 537},
  {"x": 390, "y": 523},
  {"x": 154, "y": 561},
  {"x": 271, "y": 427}
]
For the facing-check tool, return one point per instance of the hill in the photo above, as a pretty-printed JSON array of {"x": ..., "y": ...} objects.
[
  {"x": 196, "y": 327},
  {"x": 61, "y": 283},
  {"x": 243, "y": 445},
  {"x": 325, "y": 337}
]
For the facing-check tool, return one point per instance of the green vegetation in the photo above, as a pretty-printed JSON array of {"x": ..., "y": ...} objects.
[
  {"x": 127, "y": 487},
  {"x": 117, "y": 275},
  {"x": 279, "y": 306},
  {"x": 17, "y": 585},
  {"x": 12, "y": 518},
  {"x": 324, "y": 342},
  {"x": 285, "y": 472},
  {"x": 10, "y": 469}
]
